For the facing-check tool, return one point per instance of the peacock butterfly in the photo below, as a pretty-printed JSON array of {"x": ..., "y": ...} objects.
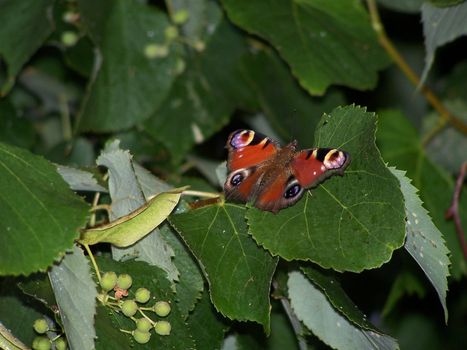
[{"x": 274, "y": 178}]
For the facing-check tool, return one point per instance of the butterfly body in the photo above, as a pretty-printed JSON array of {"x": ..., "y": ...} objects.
[{"x": 271, "y": 177}]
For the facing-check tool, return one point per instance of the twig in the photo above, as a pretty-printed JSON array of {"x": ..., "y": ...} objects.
[
  {"x": 409, "y": 73},
  {"x": 453, "y": 211}
]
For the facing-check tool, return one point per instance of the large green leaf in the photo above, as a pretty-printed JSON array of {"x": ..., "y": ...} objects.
[
  {"x": 324, "y": 42},
  {"x": 238, "y": 271},
  {"x": 314, "y": 310},
  {"x": 75, "y": 292},
  {"x": 348, "y": 223},
  {"x": 121, "y": 30},
  {"x": 424, "y": 241},
  {"x": 441, "y": 26},
  {"x": 204, "y": 96},
  {"x": 401, "y": 146},
  {"x": 39, "y": 215},
  {"x": 25, "y": 26}
]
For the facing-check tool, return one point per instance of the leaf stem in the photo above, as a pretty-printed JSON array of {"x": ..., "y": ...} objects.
[
  {"x": 453, "y": 210},
  {"x": 93, "y": 261},
  {"x": 408, "y": 72}
]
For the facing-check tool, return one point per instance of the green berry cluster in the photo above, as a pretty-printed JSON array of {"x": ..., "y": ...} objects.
[
  {"x": 131, "y": 306},
  {"x": 42, "y": 341}
]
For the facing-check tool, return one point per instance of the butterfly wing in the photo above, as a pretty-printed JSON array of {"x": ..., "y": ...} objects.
[
  {"x": 247, "y": 151},
  {"x": 312, "y": 166}
]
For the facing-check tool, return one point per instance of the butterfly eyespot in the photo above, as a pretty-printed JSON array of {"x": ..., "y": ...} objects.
[
  {"x": 236, "y": 179},
  {"x": 293, "y": 191}
]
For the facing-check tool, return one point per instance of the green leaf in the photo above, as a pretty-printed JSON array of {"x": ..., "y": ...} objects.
[
  {"x": 424, "y": 241},
  {"x": 75, "y": 292},
  {"x": 25, "y": 26},
  {"x": 441, "y": 26},
  {"x": 401, "y": 147},
  {"x": 203, "y": 97},
  {"x": 127, "y": 196},
  {"x": 129, "y": 229},
  {"x": 121, "y": 30},
  {"x": 39, "y": 215},
  {"x": 80, "y": 180},
  {"x": 38, "y": 286},
  {"x": 406, "y": 283},
  {"x": 290, "y": 110},
  {"x": 337, "y": 297},
  {"x": 239, "y": 272},
  {"x": 154, "y": 279},
  {"x": 324, "y": 42},
  {"x": 17, "y": 310},
  {"x": 314, "y": 310},
  {"x": 348, "y": 223},
  {"x": 190, "y": 282}
]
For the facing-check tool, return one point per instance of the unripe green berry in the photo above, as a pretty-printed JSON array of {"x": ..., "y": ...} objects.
[
  {"x": 156, "y": 51},
  {"x": 141, "y": 337},
  {"x": 162, "y": 308},
  {"x": 142, "y": 295},
  {"x": 171, "y": 32},
  {"x": 109, "y": 281},
  {"x": 162, "y": 328},
  {"x": 41, "y": 343},
  {"x": 180, "y": 66},
  {"x": 124, "y": 281},
  {"x": 60, "y": 344},
  {"x": 143, "y": 325},
  {"x": 69, "y": 38},
  {"x": 40, "y": 326},
  {"x": 180, "y": 17},
  {"x": 129, "y": 308},
  {"x": 199, "y": 46}
]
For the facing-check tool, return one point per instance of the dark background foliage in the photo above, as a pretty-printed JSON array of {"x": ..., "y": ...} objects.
[{"x": 170, "y": 80}]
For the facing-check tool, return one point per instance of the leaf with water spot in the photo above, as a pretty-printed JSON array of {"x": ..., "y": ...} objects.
[
  {"x": 424, "y": 241},
  {"x": 348, "y": 223},
  {"x": 238, "y": 271}
]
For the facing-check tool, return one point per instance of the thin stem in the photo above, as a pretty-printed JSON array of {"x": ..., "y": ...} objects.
[
  {"x": 95, "y": 200},
  {"x": 65, "y": 117},
  {"x": 93, "y": 261},
  {"x": 409, "y": 73},
  {"x": 453, "y": 211},
  {"x": 200, "y": 194},
  {"x": 146, "y": 316}
]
